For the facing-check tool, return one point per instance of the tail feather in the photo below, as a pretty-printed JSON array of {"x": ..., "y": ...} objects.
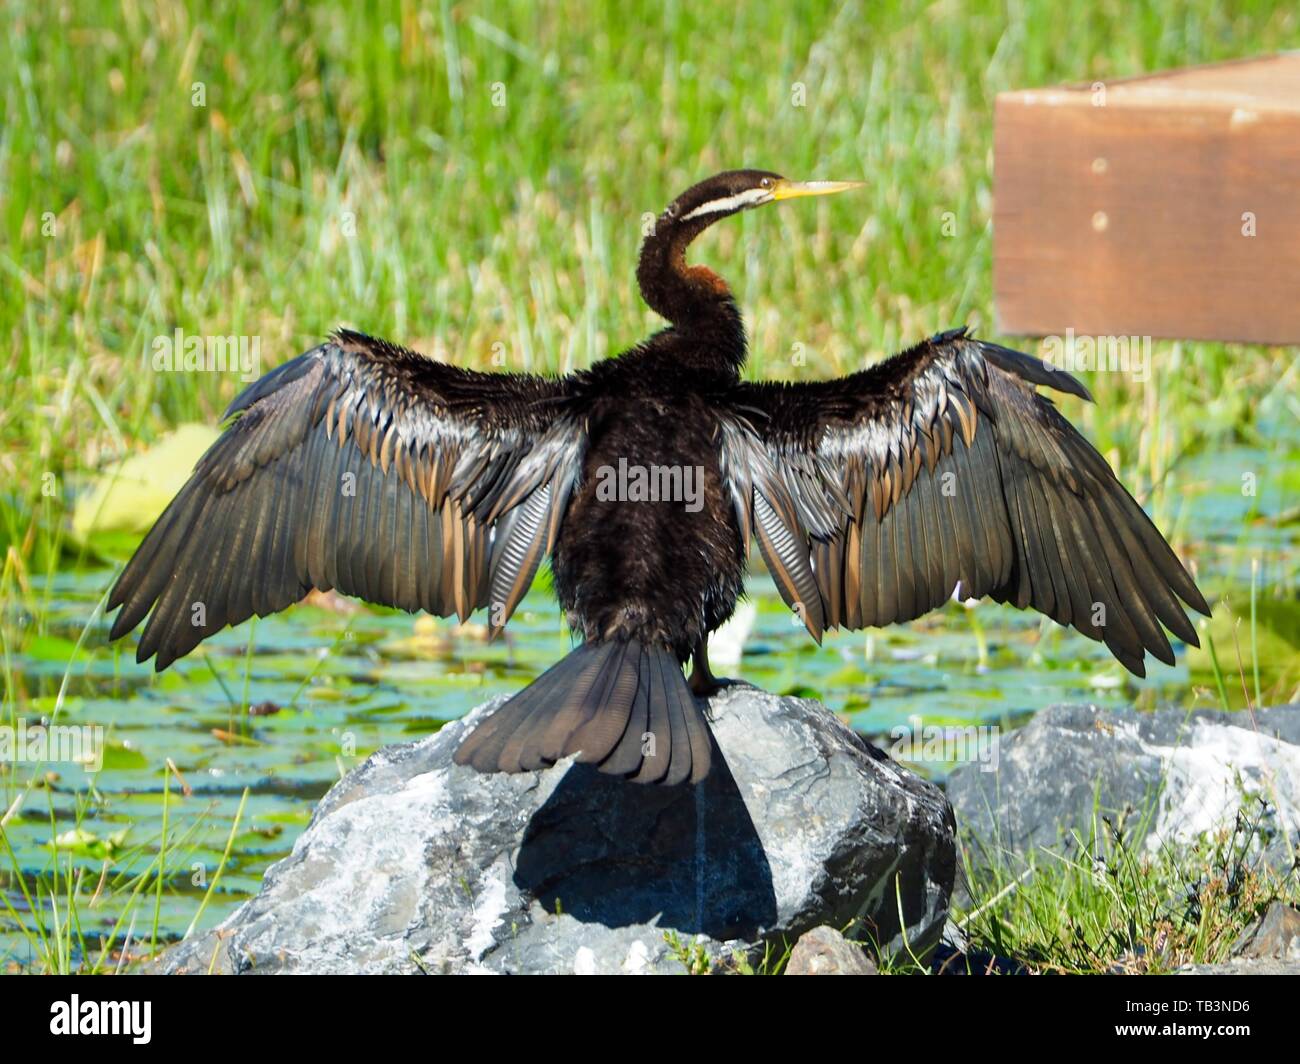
[
  {"x": 659, "y": 730},
  {"x": 551, "y": 740},
  {"x": 625, "y": 759},
  {"x": 678, "y": 715},
  {"x": 491, "y": 736},
  {"x": 610, "y": 711},
  {"x": 622, "y": 706},
  {"x": 525, "y": 745}
]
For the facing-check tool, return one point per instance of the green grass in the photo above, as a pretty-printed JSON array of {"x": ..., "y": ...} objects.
[
  {"x": 473, "y": 182},
  {"x": 1097, "y": 903},
  {"x": 1103, "y": 902},
  {"x": 352, "y": 166}
]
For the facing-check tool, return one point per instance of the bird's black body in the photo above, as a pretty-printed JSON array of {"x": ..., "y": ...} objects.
[
  {"x": 614, "y": 557},
  {"x": 659, "y": 571},
  {"x": 365, "y": 467}
]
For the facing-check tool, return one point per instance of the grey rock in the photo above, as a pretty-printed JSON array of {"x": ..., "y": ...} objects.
[
  {"x": 824, "y": 951},
  {"x": 1242, "y": 966},
  {"x": 1275, "y": 935},
  {"x": 412, "y": 863},
  {"x": 1191, "y": 768}
]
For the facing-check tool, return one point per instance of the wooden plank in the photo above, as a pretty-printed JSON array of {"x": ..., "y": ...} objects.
[{"x": 1128, "y": 209}]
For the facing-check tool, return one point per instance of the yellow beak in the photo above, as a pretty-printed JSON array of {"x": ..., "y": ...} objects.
[{"x": 784, "y": 190}]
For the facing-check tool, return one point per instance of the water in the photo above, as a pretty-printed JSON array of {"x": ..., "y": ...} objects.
[{"x": 331, "y": 685}]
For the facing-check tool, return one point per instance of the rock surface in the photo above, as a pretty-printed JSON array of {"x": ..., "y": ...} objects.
[
  {"x": 824, "y": 951},
  {"x": 1242, "y": 966},
  {"x": 1193, "y": 769},
  {"x": 1275, "y": 936},
  {"x": 412, "y": 864}
]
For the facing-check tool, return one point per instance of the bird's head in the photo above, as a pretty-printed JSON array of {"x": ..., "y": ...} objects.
[
  {"x": 738, "y": 190},
  {"x": 693, "y": 296}
]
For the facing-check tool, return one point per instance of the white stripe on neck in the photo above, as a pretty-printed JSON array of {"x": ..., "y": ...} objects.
[{"x": 729, "y": 203}]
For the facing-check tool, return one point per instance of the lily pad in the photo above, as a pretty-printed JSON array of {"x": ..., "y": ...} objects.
[
  {"x": 86, "y": 843},
  {"x": 128, "y": 498}
]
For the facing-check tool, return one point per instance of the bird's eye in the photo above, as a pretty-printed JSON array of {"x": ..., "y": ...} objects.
[{"x": 765, "y": 183}]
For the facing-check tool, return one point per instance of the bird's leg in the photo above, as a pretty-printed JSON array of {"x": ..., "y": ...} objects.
[{"x": 703, "y": 682}]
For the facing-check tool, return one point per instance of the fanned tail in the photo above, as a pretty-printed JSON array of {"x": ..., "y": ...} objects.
[{"x": 620, "y": 705}]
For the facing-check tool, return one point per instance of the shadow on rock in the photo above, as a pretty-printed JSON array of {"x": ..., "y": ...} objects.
[{"x": 603, "y": 851}]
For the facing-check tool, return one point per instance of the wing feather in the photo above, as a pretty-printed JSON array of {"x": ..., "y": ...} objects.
[
  {"x": 874, "y": 496},
  {"x": 364, "y": 467}
]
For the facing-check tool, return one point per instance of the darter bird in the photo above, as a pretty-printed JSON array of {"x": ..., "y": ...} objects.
[{"x": 366, "y": 467}]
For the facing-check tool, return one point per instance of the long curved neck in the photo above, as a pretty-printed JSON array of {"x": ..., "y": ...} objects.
[{"x": 694, "y": 299}]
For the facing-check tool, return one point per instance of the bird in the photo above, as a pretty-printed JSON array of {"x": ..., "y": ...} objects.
[{"x": 366, "y": 467}]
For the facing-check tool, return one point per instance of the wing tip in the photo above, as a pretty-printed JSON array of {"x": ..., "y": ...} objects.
[{"x": 1032, "y": 369}]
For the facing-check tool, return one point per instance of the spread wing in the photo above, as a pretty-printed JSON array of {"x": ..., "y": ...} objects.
[
  {"x": 873, "y": 496},
  {"x": 364, "y": 467}
]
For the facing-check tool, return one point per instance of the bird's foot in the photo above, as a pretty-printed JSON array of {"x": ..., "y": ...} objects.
[
  {"x": 708, "y": 686},
  {"x": 703, "y": 683}
]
